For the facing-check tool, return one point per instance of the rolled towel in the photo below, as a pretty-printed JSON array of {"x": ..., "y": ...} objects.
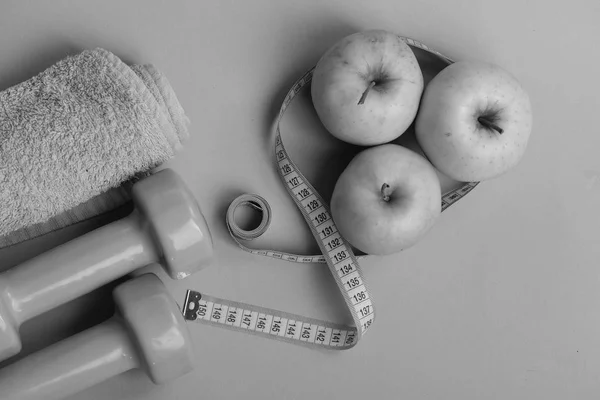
[{"x": 74, "y": 137}]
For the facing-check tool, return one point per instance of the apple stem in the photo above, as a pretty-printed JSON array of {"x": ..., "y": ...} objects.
[
  {"x": 385, "y": 192},
  {"x": 490, "y": 125},
  {"x": 365, "y": 93}
]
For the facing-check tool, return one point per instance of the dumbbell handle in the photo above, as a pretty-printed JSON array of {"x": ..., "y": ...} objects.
[
  {"x": 77, "y": 267},
  {"x": 71, "y": 365}
]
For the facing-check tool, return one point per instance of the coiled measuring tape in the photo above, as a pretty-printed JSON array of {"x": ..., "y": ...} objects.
[{"x": 336, "y": 252}]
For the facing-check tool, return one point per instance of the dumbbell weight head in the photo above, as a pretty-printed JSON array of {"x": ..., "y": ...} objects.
[
  {"x": 157, "y": 325},
  {"x": 175, "y": 220}
]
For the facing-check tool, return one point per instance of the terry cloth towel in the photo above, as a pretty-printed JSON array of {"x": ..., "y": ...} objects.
[{"x": 74, "y": 137}]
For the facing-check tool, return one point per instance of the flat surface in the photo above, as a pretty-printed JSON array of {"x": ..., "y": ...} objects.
[{"x": 499, "y": 301}]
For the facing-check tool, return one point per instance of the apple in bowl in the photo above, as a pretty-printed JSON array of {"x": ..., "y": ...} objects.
[
  {"x": 474, "y": 121},
  {"x": 366, "y": 88},
  {"x": 386, "y": 200}
]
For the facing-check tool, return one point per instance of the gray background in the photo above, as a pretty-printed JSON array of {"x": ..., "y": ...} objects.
[{"x": 499, "y": 301}]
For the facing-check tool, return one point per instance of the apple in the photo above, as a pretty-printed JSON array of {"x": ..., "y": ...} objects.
[
  {"x": 474, "y": 121},
  {"x": 366, "y": 88},
  {"x": 386, "y": 199}
]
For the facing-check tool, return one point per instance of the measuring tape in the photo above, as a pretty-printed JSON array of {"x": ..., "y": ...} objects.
[{"x": 336, "y": 252}]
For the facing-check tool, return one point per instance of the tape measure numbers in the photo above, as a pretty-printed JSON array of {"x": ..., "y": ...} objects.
[
  {"x": 266, "y": 322},
  {"x": 336, "y": 252}
]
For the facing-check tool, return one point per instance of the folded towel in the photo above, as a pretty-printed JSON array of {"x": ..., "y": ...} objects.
[{"x": 74, "y": 137}]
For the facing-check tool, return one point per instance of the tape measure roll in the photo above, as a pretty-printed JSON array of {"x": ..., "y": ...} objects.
[{"x": 336, "y": 252}]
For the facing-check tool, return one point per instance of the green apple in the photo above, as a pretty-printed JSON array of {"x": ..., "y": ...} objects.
[
  {"x": 386, "y": 199},
  {"x": 474, "y": 121},
  {"x": 366, "y": 88}
]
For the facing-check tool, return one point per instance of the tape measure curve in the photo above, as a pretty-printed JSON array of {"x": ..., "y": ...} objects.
[{"x": 335, "y": 252}]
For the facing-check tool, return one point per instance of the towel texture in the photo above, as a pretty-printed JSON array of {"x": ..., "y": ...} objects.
[{"x": 74, "y": 137}]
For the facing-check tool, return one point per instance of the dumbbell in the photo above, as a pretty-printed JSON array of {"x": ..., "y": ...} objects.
[
  {"x": 147, "y": 332},
  {"x": 166, "y": 227}
]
